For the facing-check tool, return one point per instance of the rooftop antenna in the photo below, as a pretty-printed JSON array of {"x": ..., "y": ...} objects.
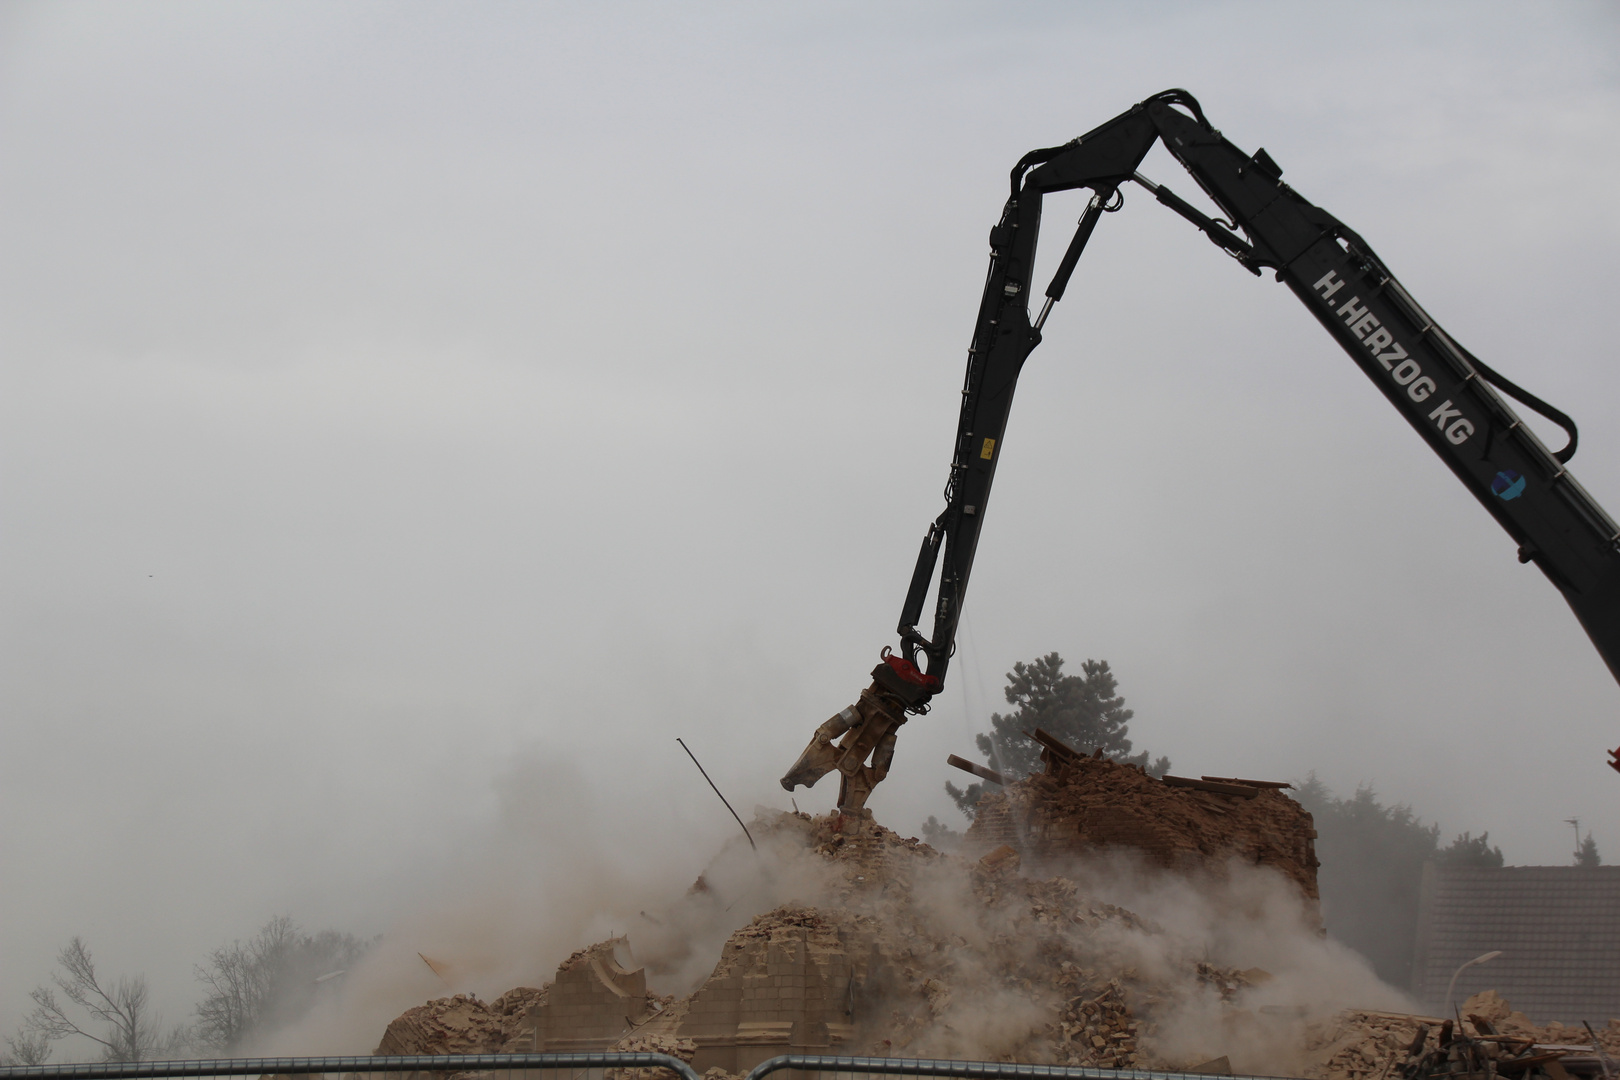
[{"x": 1575, "y": 821}]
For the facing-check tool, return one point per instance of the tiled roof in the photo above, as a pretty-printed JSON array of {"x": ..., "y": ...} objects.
[{"x": 1558, "y": 928}]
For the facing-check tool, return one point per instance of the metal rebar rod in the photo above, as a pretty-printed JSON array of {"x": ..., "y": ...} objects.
[{"x": 705, "y": 773}]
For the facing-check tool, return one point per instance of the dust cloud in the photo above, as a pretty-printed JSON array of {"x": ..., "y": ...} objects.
[
  {"x": 970, "y": 958},
  {"x": 1243, "y": 918},
  {"x": 559, "y": 866}
]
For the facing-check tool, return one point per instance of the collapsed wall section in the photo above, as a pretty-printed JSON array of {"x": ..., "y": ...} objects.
[
  {"x": 1081, "y": 805},
  {"x": 784, "y": 984},
  {"x": 594, "y": 1002}
]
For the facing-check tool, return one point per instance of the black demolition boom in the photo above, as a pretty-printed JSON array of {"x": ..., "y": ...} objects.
[{"x": 1440, "y": 387}]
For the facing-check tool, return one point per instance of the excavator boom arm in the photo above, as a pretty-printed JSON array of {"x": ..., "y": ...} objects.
[
  {"x": 1444, "y": 392},
  {"x": 1441, "y": 389}
]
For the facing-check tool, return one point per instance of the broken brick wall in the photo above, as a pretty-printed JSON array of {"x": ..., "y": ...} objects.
[{"x": 1082, "y": 805}]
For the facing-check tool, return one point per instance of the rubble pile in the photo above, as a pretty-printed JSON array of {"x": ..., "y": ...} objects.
[
  {"x": 1028, "y": 969},
  {"x": 1020, "y": 969},
  {"x": 1358, "y": 1043},
  {"x": 1491, "y": 1008},
  {"x": 642, "y": 1043},
  {"x": 1081, "y": 804},
  {"x": 898, "y": 950},
  {"x": 1098, "y": 1030},
  {"x": 461, "y": 1024},
  {"x": 869, "y": 943},
  {"x": 1490, "y": 1041}
]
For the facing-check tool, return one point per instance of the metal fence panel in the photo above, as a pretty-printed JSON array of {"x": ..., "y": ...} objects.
[
  {"x": 578, "y": 1066},
  {"x": 438, "y": 1064},
  {"x": 830, "y": 1065}
]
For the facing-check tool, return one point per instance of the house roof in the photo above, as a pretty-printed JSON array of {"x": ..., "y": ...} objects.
[{"x": 1558, "y": 928}]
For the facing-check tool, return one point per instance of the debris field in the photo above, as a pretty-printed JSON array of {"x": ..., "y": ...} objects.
[
  {"x": 876, "y": 944},
  {"x": 1491, "y": 1040},
  {"x": 906, "y": 952}
]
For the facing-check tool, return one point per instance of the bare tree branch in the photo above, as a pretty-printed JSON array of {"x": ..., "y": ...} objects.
[
  {"x": 253, "y": 987},
  {"x": 129, "y": 1030},
  {"x": 27, "y": 1048}
]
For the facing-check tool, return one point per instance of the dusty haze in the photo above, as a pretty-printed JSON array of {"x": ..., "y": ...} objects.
[
  {"x": 935, "y": 917},
  {"x": 416, "y": 417}
]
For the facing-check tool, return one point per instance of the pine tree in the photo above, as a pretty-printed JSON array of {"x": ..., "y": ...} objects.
[
  {"x": 940, "y": 836},
  {"x": 1469, "y": 850},
  {"x": 1371, "y": 872},
  {"x": 1085, "y": 711},
  {"x": 1587, "y": 853}
]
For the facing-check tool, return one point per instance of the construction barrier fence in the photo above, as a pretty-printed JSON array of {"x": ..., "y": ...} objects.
[{"x": 575, "y": 1067}]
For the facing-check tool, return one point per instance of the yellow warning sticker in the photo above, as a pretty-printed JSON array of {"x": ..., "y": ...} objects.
[{"x": 989, "y": 448}]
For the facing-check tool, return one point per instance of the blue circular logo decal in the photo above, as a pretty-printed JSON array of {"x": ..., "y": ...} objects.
[{"x": 1507, "y": 484}]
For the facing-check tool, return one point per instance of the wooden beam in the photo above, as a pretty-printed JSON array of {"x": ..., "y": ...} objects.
[
  {"x": 1248, "y": 783},
  {"x": 1212, "y": 785},
  {"x": 977, "y": 770},
  {"x": 1056, "y": 745}
]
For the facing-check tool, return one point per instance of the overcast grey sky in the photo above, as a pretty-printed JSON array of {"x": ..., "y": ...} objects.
[{"x": 418, "y": 415}]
